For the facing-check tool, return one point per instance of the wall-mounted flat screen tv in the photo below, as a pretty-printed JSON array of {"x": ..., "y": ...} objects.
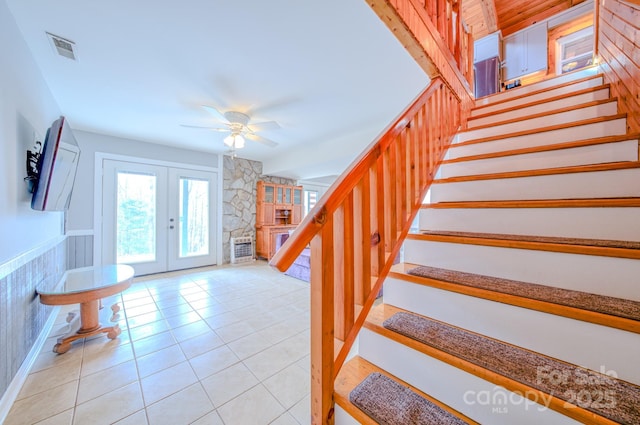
[{"x": 56, "y": 168}]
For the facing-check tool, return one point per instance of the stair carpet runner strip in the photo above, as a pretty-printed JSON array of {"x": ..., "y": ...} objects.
[
  {"x": 389, "y": 403},
  {"x": 603, "y": 304},
  {"x": 601, "y": 243},
  {"x": 620, "y": 401}
]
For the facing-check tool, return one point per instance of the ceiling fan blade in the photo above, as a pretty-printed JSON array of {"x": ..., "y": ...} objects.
[
  {"x": 260, "y": 139},
  {"x": 225, "y": 129},
  {"x": 266, "y": 125},
  {"x": 217, "y": 114}
]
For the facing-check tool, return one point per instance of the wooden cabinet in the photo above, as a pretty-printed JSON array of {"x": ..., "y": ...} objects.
[
  {"x": 266, "y": 239},
  {"x": 278, "y": 210},
  {"x": 525, "y": 51}
]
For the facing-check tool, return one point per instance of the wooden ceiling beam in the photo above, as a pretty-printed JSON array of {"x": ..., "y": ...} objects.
[{"x": 490, "y": 15}]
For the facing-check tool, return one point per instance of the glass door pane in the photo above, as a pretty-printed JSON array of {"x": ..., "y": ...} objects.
[
  {"x": 268, "y": 194},
  {"x": 279, "y": 197},
  {"x": 193, "y": 220},
  {"x": 136, "y": 217},
  {"x": 297, "y": 196},
  {"x": 287, "y": 195}
]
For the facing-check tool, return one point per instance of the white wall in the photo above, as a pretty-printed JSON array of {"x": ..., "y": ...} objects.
[
  {"x": 80, "y": 214},
  {"x": 321, "y": 188},
  {"x": 27, "y": 108}
]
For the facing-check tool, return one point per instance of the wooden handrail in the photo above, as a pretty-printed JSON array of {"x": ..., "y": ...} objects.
[{"x": 356, "y": 229}]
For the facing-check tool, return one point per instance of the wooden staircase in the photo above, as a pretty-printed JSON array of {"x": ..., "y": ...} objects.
[{"x": 530, "y": 242}]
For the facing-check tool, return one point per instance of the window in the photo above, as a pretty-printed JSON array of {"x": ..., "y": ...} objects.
[
  {"x": 310, "y": 199},
  {"x": 575, "y": 51}
]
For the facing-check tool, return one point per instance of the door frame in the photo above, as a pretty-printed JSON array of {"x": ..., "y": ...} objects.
[{"x": 100, "y": 157}]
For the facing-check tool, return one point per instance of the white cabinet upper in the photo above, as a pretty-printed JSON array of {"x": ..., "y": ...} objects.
[
  {"x": 487, "y": 47},
  {"x": 525, "y": 51}
]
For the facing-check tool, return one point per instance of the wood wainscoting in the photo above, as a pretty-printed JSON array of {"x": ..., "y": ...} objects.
[{"x": 619, "y": 51}]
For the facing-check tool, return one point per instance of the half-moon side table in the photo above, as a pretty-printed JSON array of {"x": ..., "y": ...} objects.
[{"x": 87, "y": 286}]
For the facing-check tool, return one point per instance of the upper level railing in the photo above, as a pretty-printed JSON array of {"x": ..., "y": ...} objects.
[
  {"x": 446, "y": 16},
  {"x": 435, "y": 34},
  {"x": 357, "y": 228}
]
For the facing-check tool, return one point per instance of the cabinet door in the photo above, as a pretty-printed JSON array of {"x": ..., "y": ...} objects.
[
  {"x": 525, "y": 52},
  {"x": 268, "y": 194},
  {"x": 514, "y": 53},
  {"x": 262, "y": 236},
  {"x": 486, "y": 47},
  {"x": 287, "y": 195},
  {"x": 536, "y": 42},
  {"x": 268, "y": 215},
  {"x": 297, "y": 205},
  {"x": 279, "y": 195}
]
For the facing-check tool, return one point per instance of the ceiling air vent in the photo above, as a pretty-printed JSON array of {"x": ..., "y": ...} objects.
[{"x": 62, "y": 46}]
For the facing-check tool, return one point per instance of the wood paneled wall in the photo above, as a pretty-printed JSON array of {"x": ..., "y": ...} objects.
[{"x": 619, "y": 50}]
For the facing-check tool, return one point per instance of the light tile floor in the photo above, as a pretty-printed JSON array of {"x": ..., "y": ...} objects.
[{"x": 221, "y": 345}]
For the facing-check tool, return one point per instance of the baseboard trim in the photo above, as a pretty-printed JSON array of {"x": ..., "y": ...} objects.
[{"x": 10, "y": 395}]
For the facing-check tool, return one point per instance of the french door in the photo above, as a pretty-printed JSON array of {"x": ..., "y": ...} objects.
[{"x": 157, "y": 218}]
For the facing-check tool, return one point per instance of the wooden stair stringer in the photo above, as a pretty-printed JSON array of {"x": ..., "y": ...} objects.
[{"x": 382, "y": 312}]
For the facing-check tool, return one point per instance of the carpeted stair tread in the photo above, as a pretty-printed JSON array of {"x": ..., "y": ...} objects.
[
  {"x": 586, "y": 301},
  {"x": 389, "y": 403},
  {"x": 602, "y": 243},
  {"x": 622, "y": 403}
]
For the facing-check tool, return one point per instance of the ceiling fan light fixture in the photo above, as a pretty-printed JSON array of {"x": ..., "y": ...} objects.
[{"x": 234, "y": 141}]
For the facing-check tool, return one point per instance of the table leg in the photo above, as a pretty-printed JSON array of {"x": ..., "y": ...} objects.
[
  {"x": 89, "y": 316},
  {"x": 89, "y": 326}
]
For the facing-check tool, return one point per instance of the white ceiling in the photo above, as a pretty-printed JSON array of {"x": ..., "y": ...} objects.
[{"x": 329, "y": 72}]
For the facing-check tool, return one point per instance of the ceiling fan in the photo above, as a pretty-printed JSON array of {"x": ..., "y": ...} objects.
[{"x": 238, "y": 125}]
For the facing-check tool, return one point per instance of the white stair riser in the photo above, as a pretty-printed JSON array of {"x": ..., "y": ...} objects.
[
  {"x": 559, "y": 337},
  {"x": 570, "y": 134},
  {"x": 587, "y": 84},
  {"x": 598, "y": 184},
  {"x": 584, "y": 155},
  {"x": 524, "y": 111},
  {"x": 343, "y": 418},
  {"x": 460, "y": 390},
  {"x": 611, "y": 276},
  {"x": 508, "y": 94},
  {"x": 605, "y": 109},
  {"x": 588, "y": 223}
]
